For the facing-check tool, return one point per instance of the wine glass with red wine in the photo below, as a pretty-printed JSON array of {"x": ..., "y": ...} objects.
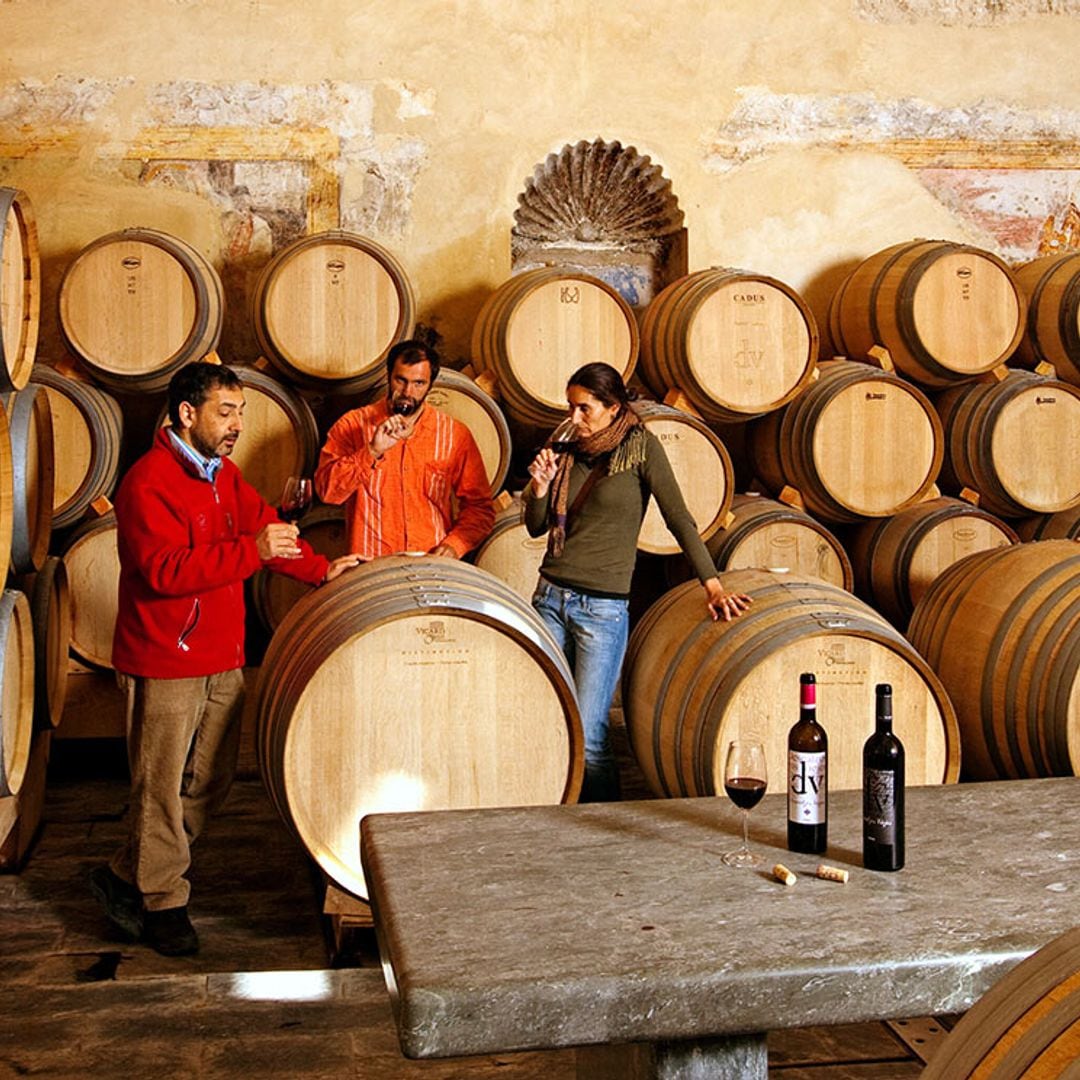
[
  {"x": 564, "y": 437},
  {"x": 745, "y": 780},
  {"x": 295, "y": 499}
]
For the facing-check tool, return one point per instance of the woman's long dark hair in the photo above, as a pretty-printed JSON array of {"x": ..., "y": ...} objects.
[{"x": 603, "y": 382}]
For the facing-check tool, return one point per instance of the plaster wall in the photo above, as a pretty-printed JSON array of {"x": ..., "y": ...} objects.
[{"x": 799, "y": 135}]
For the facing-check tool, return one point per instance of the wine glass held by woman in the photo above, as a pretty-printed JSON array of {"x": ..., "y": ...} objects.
[{"x": 591, "y": 501}]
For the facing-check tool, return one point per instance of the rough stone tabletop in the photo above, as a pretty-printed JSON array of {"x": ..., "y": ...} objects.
[{"x": 574, "y": 925}]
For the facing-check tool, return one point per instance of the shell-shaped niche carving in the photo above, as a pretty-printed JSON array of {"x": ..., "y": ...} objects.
[{"x": 597, "y": 192}]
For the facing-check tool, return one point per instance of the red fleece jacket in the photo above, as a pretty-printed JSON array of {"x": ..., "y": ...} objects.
[{"x": 186, "y": 546}]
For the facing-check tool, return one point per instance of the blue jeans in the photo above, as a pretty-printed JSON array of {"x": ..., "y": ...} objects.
[{"x": 592, "y": 631}]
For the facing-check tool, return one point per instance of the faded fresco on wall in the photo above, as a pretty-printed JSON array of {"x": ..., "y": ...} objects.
[{"x": 1023, "y": 212}]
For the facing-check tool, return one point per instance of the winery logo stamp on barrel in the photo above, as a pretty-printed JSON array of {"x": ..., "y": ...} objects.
[{"x": 569, "y": 294}]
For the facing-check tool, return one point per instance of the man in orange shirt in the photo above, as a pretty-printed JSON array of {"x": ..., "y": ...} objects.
[{"x": 397, "y": 464}]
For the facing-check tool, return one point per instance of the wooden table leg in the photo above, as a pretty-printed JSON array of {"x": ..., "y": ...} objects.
[{"x": 737, "y": 1057}]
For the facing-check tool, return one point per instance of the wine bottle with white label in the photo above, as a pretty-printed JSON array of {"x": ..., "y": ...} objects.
[
  {"x": 883, "y": 791},
  {"x": 808, "y": 784}
]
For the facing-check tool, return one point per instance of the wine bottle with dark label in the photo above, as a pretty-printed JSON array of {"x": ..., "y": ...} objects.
[
  {"x": 808, "y": 781},
  {"x": 883, "y": 791}
]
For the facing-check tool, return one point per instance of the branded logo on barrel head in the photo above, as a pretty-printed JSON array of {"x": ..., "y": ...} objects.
[
  {"x": 569, "y": 294},
  {"x": 965, "y": 534},
  {"x": 749, "y": 298},
  {"x": 875, "y": 397},
  {"x": 1045, "y": 400},
  {"x": 435, "y": 633},
  {"x": 335, "y": 266},
  {"x": 131, "y": 262},
  {"x": 964, "y": 272},
  {"x": 783, "y": 541}
]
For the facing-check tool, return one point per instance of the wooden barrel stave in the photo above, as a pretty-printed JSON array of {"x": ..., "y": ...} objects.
[
  {"x": 20, "y": 289},
  {"x": 327, "y": 308},
  {"x": 1026, "y": 1025},
  {"x": 32, "y": 458},
  {"x": 510, "y": 553},
  {"x": 92, "y": 563},
  {"x": 1002, "y": 630},
  {"x": 137, "y": 305},
  {"x": 946, "y": 312},
  {"x": 770, "y": 534},
  {"x": 1013, "y": 442},
  {"x": 1051, "y": 285},
  {"x": 690, "y": 684},
  {"x": 50, "y": 611},
  {"x": 539, "y": 327},
  {"x": 88, "y": 428},
  {"x": 846, "y": 461},
  {"x": 360, "y": 633},
  {"x": 16, "y": 691},
  {"x": 691, "y": 341},
  {"x": 702, "y": 468},
  {"x": 897, "y": 558}
]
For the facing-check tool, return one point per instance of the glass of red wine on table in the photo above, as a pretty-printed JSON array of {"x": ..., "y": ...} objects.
[{"x": 745, "y": 780}]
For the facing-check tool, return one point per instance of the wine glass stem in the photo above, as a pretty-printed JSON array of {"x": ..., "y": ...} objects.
[{"x": 745, "y": 822}]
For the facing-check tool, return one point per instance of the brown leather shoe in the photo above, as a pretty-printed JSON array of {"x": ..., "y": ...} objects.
[
  {"x": 122, "y": 902},
  {"x": 170, "y": 932}
]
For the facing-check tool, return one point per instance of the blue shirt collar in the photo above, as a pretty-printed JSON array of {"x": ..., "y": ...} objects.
[{"x": 207, "y": 468}]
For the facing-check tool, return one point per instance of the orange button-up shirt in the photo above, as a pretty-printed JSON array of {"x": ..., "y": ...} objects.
[{"x": 403, "y": 500}]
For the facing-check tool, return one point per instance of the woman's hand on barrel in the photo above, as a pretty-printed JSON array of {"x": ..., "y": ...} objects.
[
  {"x": 542, "y": 470},
  {"x": 722, "y": 604},
  {"x": 340, "y": 565}
]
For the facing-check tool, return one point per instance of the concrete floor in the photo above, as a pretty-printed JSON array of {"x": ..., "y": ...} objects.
[{"x": 262, "y": 997}]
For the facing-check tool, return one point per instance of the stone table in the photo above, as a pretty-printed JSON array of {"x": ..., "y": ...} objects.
[{"x": 557, "y": 926}]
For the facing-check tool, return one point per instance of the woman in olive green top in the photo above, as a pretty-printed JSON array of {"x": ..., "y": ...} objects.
[{"x": 591, "y": 501}]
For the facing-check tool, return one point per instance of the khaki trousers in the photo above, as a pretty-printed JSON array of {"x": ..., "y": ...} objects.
[{"x": 183, "y": 737}]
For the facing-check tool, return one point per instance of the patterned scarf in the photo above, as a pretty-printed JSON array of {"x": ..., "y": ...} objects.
[{"x": 623, "y": 439}]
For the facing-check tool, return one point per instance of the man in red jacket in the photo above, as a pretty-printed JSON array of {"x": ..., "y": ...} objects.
[{"x": 190, "y": 529}]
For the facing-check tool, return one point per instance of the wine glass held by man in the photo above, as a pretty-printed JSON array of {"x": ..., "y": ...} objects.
[{"x": 591, "y": 501}]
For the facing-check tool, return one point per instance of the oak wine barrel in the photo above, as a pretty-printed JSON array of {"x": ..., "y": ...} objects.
[
  {"x": 93, "y": 571},
  {"x": 20, "y": 288},
  {"x": 1027, "y": 1025},
  {"x": 327, "y": 308},
  {"x": 691, "y": 685},
  {"x": 16, "y": 689},
  {"x": 897, "y": 558},
  {"x": 1051, "y": 285},
  {"x": 7, "y": 495},
  {"x": 702, "y": 467},
  {"x": 1002, "y": 630},
  {"x": 537, "y": 328},
  {"x": 50, "y": 610},
  {"x": 736, "y": 344},
  {"x": 137, "y": 305},
  {"x": 510, "y": 553},
  {"x": 770, "y": 534},
  {"x": 1064, "y": 525},
  {"x": 858, "y": 442},
  {"x": 274, "y": 594},
  {"x": 408, "y": 684},
  {"x": 88, "y": 427},
  {"x": 1014, "y": 442},
  {"x": 30, "y": 429},
  {"x": 946, "y": 312}
]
